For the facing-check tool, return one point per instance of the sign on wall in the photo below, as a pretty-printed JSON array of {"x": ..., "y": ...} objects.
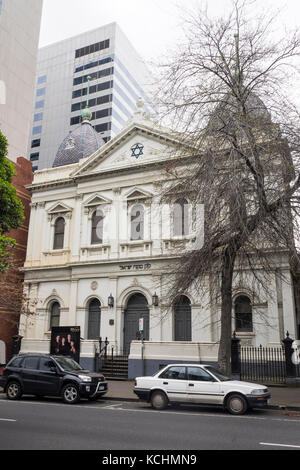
[
  {"x": 2, "y": 352},
  {"x": 65, "y": 341}
]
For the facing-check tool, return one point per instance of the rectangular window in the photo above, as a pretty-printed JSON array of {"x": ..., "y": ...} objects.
[
  {"x": 104, "y": 99},
  {"x": 98, "y": 46},
  {"x": 39, "y": 104},
  {"x": 36, "y": 130},
  {"x": 35, "y": 143},
  {"x": 77, "y": 81},
  {"x": 104, "y": 86},
  {"x": 38, "y": 117},
  {"x": 103, "y": 113},
  {"x": 75, "y": 120},
  {"x": 103, "y": 127},
  {"x": 94, "y": 76},
  {"x": 76, "y": 93},
  {"x": 31, "y": 363},
  {"x": 34, "y": 168},
  {"x": 34, "y": 156},
  {"x": 40, "y": 91},
  {"x": 76, "y": 107},
  {"x": 92, "y": 102},
  {"x": 95, "y": 63},
  {"x": 42, "y": 79}
]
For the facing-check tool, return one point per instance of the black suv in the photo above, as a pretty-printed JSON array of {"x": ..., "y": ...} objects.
[{"x": 43, "y": 375}]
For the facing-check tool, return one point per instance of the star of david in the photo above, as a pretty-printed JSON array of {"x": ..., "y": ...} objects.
[{"x": 137, "y": 150}]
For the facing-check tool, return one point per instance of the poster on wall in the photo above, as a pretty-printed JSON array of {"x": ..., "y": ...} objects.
[{"x": 65, "y": 341}]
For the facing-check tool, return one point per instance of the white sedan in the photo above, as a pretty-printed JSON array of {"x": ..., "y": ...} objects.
[{"x": 203, "y": 384}]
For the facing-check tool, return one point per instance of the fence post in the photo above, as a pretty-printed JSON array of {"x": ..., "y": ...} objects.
[
  {"x": 290, "y": 367},
  {"x": 235, "y": 357}
]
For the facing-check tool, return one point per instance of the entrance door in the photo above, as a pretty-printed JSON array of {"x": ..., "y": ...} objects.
[
  {"x": 182, "y": 319},
  {"x": 137, "y": 307}
]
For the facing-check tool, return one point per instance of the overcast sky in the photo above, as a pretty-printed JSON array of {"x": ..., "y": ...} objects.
[{"x": 152, "y": 26}]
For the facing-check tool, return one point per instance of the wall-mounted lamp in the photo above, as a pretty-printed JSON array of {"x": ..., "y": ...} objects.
[
  {"x": 155, "y": 299},
  {"x": 111, "y": 301}
]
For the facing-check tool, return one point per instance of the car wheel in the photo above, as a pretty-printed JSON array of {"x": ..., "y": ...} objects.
[
  {"x": 236, "y": 404},
  {"x": 70, "y": 394},
  {"x": 159, "y": 400},
  {"x": 14, "y": 391}
]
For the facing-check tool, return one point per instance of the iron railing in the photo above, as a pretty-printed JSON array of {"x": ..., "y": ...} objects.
[{"x": 263, "y": 364}]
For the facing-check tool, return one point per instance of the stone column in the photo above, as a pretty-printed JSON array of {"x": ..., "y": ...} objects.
[{"x": 73, "y": 302}]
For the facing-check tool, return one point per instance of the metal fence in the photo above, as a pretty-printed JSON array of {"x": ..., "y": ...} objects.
[{"x": 261, "y": 364}]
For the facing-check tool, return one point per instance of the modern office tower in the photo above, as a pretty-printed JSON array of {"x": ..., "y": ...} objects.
[
  {"x": 19, "y": 36},
  {"x": 99, "y": 66}
]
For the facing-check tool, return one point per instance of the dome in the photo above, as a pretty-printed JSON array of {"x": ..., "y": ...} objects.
[
  {"x": 226, "y": 115},
  {"x": 80, "y": 143}
]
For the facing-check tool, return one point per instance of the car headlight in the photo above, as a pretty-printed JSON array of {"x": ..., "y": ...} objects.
[
  {"x": 85, "y": 378},
  {"x": 259, "y": 391}
]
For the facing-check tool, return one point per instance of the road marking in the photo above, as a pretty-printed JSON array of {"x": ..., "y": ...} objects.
[
  {"x": 10, "y": 420},
  {"x": 116, "y": 407},
  {"x": 112, "y": 406},
  {"x": 278, "y": 445}
]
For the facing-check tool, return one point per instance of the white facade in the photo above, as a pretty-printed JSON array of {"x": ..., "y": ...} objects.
[
  {"x": 118, "y": 78},
  {"x": 113, "y": 181},
  {"x": 19, "y": 35}
]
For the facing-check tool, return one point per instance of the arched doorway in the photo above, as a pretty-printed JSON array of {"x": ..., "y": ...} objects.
[
  {"x": 94, "y": 319},
  {"x": 182, "y": 319},
  {"x": 137, "y": 307}
]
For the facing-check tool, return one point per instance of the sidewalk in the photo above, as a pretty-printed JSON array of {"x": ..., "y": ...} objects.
[{"x": 281, "y": 397}]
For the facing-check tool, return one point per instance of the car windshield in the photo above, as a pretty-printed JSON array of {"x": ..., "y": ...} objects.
[
  {"x": 217, "y": 373},
  {"x": 68, "y": 364}
]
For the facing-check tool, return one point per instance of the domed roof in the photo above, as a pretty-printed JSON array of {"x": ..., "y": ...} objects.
[
  {"x": 80, "y": 143},
  {"x": 226, "y": 115}
]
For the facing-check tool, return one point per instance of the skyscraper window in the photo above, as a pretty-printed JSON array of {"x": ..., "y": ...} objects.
[
  {"x": 40, "y": 91},
  {"x": 42, "y": 79}
]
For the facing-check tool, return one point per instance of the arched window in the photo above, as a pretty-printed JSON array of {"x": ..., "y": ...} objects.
[
  {"x": 54, "y": 314},
  {"x": 59, "y": 232},
  {"x": 97, "y": 227},
  {"x": 182, "y": 319},
  {"x": 94, "y": 319},
  {"x": 137, "y": 222},
  {"x": 180, "y": 217},
  {"x": 243, "y": 314}
]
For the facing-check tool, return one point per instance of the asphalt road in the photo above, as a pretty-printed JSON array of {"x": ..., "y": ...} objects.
[{"x": 48, "y": 424}]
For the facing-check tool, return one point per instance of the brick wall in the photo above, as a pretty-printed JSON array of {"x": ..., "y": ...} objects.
[{"x": 9, "y": 319}]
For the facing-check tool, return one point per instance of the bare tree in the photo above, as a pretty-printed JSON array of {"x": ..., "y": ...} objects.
[{"x": 225, "y": 94}]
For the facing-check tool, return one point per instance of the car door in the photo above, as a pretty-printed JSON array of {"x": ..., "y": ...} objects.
[
  {"x": 174, "y": 381},
  {"x": 202, "y": 387},
  {"x": 49, "y": 380},
  {"x": 29, "y": 374}
]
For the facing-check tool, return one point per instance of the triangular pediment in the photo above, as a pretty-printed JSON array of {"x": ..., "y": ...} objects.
[
  {"x": 59, "y": 207},
  {"x": 134, "y": 146},
  {"x": 96, "y": 200},
  {"x": 136, "y": 193}
]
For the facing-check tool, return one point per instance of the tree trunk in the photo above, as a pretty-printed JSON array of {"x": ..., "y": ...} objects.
[{"x": 224, "y": 355}]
